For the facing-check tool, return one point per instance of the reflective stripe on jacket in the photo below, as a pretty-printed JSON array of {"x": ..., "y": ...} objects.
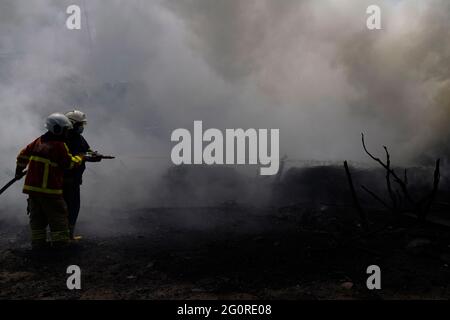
[{"x": 47, "y": 157}]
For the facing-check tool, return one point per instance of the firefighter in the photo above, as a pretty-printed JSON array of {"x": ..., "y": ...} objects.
[
  {"x": 74, "y": 178},
  {"x": 47, "y": 157}
]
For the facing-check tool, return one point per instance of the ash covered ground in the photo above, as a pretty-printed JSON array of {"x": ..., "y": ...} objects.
[{"x": 306, "y": 242}]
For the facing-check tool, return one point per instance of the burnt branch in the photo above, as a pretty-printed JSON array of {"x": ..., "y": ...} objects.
[
  {"x": 428, "y": 200},
  {"x": 376, "y": 197},
  {"x": 421, "y": 207},
  {"x": 362, "y": 215},
  {"x": 388, "y": 180},
  {"x": 400, "y": 199},
  {"x": 391, "y": 172}
]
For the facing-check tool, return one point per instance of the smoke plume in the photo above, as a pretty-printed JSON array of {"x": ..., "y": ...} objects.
[{"x": 141, "y": 69}]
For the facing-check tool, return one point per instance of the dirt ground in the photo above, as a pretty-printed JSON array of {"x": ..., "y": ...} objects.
[{"x": 232, "y": 252}]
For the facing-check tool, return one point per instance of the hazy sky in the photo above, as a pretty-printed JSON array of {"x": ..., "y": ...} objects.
[{"x": 140, "y": 69}]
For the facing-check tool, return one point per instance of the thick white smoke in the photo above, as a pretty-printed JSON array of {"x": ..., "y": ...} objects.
[{"x": 141, "y": 69}]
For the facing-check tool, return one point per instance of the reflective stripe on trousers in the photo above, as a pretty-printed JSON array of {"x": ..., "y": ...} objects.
[
  {"x": 58, "y": 236},
  {"x": 38, "y": 234}
]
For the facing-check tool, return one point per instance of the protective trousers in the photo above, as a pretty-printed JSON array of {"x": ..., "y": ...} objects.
[
  {"x": 72, "y": 197},
  {"x": 52, "y": 212}
]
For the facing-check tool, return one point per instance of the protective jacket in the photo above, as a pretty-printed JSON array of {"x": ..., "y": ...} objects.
[
  {"x": 77, "y": 145},
  {"x": 47, "y": 157}
]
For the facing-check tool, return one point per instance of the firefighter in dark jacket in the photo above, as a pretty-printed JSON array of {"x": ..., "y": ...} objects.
[
  {"x": 73, "y": 178},
  {"x": 46, "y": 158}
]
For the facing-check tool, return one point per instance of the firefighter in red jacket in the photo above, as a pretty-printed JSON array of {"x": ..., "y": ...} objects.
[{"x": 47, "y": 157}]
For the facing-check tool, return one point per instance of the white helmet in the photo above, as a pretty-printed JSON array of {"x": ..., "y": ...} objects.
[
  {"x": 76, "y": 117},
  {"x": 57, "y": 122}
]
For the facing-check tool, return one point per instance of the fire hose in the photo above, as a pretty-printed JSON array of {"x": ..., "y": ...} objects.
[
  {"x": 91, "y": 156},
  {"x": 10, "y": 183}
]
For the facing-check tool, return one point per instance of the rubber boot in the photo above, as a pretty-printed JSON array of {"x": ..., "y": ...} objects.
[{"x": 73, "y": 237}]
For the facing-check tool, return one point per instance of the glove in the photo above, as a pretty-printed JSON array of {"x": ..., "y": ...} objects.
[
  {"x": 19, "y": 172},
  {"x": 92, "y": 157}
]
